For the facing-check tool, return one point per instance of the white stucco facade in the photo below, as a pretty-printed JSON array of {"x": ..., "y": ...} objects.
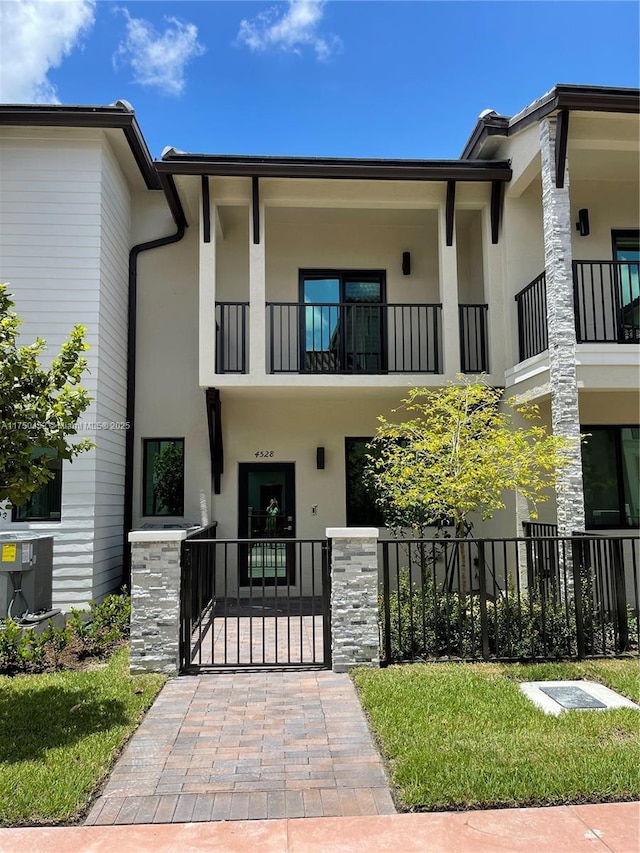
[{"x": 75, "y": 200}]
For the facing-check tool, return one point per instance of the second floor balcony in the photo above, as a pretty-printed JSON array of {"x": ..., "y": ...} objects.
[
  {"x": 606, "y": 303},
  {"x": 350, "y": 338}
]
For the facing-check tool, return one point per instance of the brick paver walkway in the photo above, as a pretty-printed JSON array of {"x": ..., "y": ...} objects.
[{"x": 249, "y": 745}]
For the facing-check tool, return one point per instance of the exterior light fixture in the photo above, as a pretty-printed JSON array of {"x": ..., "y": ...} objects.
[{"x": 582, "y": 225}]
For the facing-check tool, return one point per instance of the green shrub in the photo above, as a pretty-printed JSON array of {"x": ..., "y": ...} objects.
[
  {"x": 91, "y": 633},
  {"x": 14, "y": 647},
  {"x": 427, "y": 622},
  {"x": 103, "y": 625}
]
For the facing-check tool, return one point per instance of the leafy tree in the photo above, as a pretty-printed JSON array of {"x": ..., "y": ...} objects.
[
  {"x": 38, "y": 408},
  {"x": 457, "y": 453}
]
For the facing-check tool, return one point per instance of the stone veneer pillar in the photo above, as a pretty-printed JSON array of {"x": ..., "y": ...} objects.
[
  {"x": 354, "y": 597},
  {"x": 155, "y": 600},
  {"x": 565, "y": 418}
]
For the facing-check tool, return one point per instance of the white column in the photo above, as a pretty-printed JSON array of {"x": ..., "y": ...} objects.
[
  {"x": 498, "y": 329},
  {"x": 207, "y": 301},
  {"x": 565, "y": 418},
  {"x": 448, "y": 272},
  {"x": 257, "y": 297}
]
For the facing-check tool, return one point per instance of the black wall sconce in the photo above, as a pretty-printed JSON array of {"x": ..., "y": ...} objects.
[
  {"x": 406, "y": 263},
  {"x": 582, "y": 225},
  {"x": 320, "y": 458}
]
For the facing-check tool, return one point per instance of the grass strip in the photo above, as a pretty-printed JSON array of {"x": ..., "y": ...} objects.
[
  {"x": 60, "y": 733},
  {"x": 464, "y": 736}
]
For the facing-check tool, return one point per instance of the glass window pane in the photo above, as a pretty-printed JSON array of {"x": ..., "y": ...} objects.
[
  {"x": 321, "y": 290},
  {"x": 630, "y": 444},
  {"x": 627, "y": 249},
  {"x": 46, "y": 503},
  {"x": 362, "y": 291},
  {"x": 600, "y": 473},
  {"x": 163, "y": 477},
  {"x": 362, "y": 510}
]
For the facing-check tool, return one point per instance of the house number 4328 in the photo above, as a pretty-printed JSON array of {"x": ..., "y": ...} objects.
[{"x": 264, "y": 454}]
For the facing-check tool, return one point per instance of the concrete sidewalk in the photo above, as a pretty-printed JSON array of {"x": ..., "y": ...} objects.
[{"x": 610, "y": 828}]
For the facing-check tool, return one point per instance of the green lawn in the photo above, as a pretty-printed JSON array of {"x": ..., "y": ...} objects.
[
  {"x": 462, "y": 735},
  {"x": 59, "y": 735}
]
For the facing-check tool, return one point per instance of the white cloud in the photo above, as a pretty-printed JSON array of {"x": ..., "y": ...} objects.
[
  {"x": 35, "y": 36},
  {"x": 291, "y": 31},
  {"x": 158, "y": 59}
]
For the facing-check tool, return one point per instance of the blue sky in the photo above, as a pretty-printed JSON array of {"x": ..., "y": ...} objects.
[{"x": 346, "y": 78}]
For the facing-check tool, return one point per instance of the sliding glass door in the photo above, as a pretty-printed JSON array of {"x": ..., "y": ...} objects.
[{"x": 343, "y": 321}]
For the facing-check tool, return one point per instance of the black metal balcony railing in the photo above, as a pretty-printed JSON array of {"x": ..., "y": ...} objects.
[
  {"x": 474, "y": 357},
  {"x": 607, "y": 300},
  {"x": 532, "y": 318},
  {"x": 364, "y": 338},
  {"x": 232, "y": 341}
]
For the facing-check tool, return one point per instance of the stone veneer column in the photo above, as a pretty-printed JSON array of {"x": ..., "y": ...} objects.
[
  {"x": 155, "y": 600},
  {"x": 565, "y": 418},
  {"x": 354, "y": 597}
]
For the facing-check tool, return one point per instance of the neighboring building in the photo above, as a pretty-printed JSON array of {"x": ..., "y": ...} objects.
[{"x": 280, "y": 304}]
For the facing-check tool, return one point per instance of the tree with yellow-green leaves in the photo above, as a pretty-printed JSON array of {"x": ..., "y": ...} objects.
[
  {"x": 38, "y": 408},
  {"x": 456, "y": 451}
]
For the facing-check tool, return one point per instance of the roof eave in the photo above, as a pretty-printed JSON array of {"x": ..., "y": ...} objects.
[
  {"x": 334, "y": 169},
  {"x": 563, "y": 96},
  {"x": 110, "y": 117}
]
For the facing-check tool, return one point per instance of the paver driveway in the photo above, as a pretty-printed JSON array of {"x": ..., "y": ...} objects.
[{"x": 248, "y": 745}]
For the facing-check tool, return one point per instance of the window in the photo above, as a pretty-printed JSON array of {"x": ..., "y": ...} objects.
[
  {"x": 163, "y": 476},
  {"x": 611, "y": 471},
  {"x": 46, "y": 503},
  {"x": 362, "y": 510},
  {"x": 343, "y": 322},
  {"x": 626, "y": 250}
]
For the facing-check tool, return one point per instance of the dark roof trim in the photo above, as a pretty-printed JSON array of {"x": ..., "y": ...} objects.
[
  {"x": 173, "y": 200},
  {"x": 562, "y": 97},
  {"x": 114, "y": 116},
  {"x": 178, "y": 163}
]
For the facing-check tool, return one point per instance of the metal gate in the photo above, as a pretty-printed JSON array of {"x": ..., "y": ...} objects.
[{"x": 254, "y": 603}]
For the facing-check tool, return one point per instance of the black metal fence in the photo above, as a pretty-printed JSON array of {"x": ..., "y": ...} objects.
[
  {"x": 508, "y": 599},
  {"x": 606, "y": 304},
  {"x": 363, "y": 338},
  {"x": 607, "y": 300},
  {"x": 474, "y": 357},
  {"x": 531, "y": 304},
  {"x": 254, "y": 603},
  {"x": 232, "y": 339}
]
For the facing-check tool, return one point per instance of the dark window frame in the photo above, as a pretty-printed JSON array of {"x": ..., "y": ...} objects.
[
  {"x": 145, "y": 472},
  {"x": 378, "y": 276},
  {"x": 56, "y": 483},
  {"x": 349, "y": 521},
  {"x": 622, "y": 232},
  {"x": 617, "y": 440}
]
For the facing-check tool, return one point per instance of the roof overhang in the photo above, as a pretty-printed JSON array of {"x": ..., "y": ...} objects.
[
  {"x": 179, "y": 163},
  {"x": 116, "y": 116},
  {"x": 563, "y": 97}
]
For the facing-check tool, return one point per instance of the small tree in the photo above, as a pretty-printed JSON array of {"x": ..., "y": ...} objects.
[
  {"x": 38, "y": 408},
  {"x": 457, "y": 453}
]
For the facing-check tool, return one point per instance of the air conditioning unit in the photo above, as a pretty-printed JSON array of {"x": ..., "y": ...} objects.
[{"x": 26, "y": 575}]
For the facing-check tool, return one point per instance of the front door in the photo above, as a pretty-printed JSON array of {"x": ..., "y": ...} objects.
[{"x": 266, "y": 513}]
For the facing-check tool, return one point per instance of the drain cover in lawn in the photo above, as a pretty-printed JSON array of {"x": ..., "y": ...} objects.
[
  {"x": 554, "y": 697},
  {"x": 573, "y": 697}
]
